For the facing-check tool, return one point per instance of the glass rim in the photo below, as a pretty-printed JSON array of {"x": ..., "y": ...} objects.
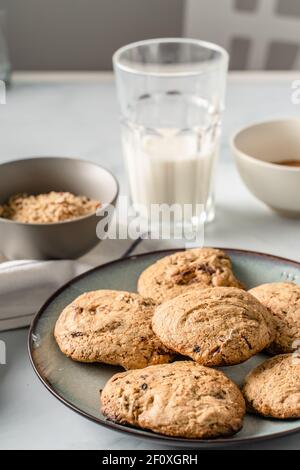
[{"x": 224, "y": 56}]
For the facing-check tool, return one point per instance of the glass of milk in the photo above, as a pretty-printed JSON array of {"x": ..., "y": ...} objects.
[{"x": 171, "y": 93}]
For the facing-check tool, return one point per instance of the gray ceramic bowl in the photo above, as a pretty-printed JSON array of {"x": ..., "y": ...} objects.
[{"x": 70, "y": 239}]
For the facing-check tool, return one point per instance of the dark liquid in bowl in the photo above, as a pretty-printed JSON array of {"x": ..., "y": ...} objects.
[{"x": 294, "y": 163}]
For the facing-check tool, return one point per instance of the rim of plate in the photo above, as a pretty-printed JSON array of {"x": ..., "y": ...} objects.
[{"x": 131, "y": 430}]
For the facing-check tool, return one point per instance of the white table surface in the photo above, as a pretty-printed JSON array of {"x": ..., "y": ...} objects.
[{"x": 77, "y": 115}]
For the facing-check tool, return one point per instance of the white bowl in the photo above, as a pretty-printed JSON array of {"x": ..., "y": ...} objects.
[{"x": 257, "y": 149}]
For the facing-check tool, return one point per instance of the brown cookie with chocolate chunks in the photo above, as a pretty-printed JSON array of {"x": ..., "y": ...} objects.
[
  {"x": 182, "y": 399},
  {"x": 282, "y": 299},
  {"x": 273, "y": 388},
  {"x": 113, "y": 327},
  {"x": 193, "y": 269},
  {"x": 215, "y": 326}
]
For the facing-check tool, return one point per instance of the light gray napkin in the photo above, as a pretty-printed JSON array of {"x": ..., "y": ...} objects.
[{"x": 26, "y": 285}]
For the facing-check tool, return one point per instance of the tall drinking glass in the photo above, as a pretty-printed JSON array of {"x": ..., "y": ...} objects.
[{"x": 171, "y": 93}]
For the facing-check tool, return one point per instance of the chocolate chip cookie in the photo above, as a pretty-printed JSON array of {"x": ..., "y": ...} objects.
[
  {"x": 283, "y": 301},
  {"x": 273, "y": 388},
  {"x": 182, "y": 399},
  {"x": 187, "y": 270},
  {"x": 113, "y": 327},
  {"x": 214, "y": 326}
]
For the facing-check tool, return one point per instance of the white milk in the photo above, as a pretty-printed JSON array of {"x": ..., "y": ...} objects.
[{"x": 168, "y": 166}]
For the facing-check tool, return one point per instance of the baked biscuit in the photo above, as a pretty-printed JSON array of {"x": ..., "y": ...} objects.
[
  {"x": 283, "y": 301},
  {"x": 273, "y": 388},
  {"x": 113, "y": 327},
  {"x": 192, "y": 269},
  {"x": 183, "y": 399},
  {"x": 215, "y": 326}
]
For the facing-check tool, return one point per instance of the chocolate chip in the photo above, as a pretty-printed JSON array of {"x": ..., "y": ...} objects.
[
  {"x": 206, "y": 268},
  {"x": 147, "y": 302},
  {"x": 78, "y": 309},
  {"x": 197, "y": 349},
  {"x": 144, "y": 386},
  {"x": 247, "y": 342},
  {"x": 185, "y": 276},
  {"x": 76, "y": 334},
  {"x": 220, "y": 395}
]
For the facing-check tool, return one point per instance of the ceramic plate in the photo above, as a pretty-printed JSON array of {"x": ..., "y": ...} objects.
[{"x": 77, "y": 385}]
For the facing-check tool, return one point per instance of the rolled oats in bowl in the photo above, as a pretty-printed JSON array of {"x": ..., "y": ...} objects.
[{"x": 47, "y": 208}]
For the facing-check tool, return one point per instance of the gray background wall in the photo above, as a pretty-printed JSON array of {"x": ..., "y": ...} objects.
[{"x": 83, "y": 34}]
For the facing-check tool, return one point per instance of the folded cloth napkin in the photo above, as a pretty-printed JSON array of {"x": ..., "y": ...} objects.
[{"x": 26, "y": 285}]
